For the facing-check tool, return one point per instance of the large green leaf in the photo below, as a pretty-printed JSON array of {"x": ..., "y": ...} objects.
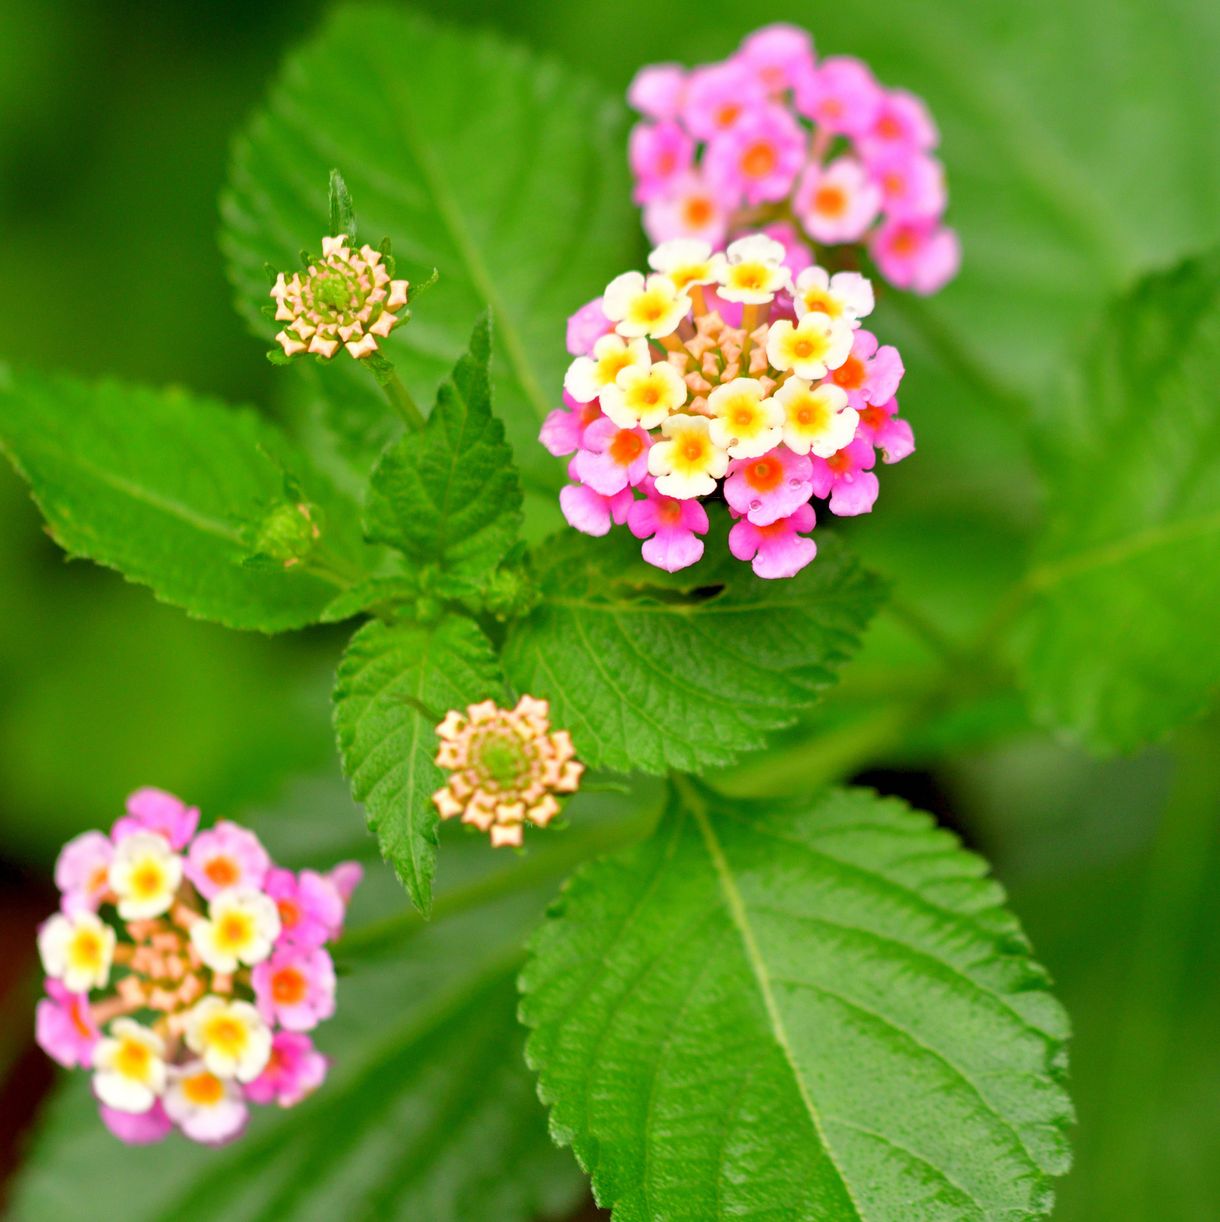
[
  {"x": 820, "y": 1013},
  {"x": 502, "y": 171},
  {"x": 1119, "y": 643},
  {"x": 649, "y": 676},
  {"x": 450, "y": 494},
  {"x": 429, "y": 1111},
  {"x": 170, "y": 489},
  {"x": 394, "y": 685}
]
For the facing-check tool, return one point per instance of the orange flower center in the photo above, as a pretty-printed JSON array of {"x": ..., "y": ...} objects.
[
  {"x": 802, "y": 347},
  {"x": 289, "y": 986},
  {"x": 759, "y": 160},
  {"x": 727, "y": 114},
  {"x": 765, "y": 475},
  {"x": 830, "y": 201},
  {"x": 904, "y": 242},
  {"x": 223, "y": 871},
  {"x": 692, "y": 449},
  {"x": 204, "y": 1089},
  {"x": 698, "y": 211},
  {"x": 290, "y": 913},
  {"x": 77, "y": 1013},
  {"x": 874, "y": 417},
  {"x": 669, "y": 513},
  {"x": 626, "y": 447},
  {"x": 851, "y": 374},
  {"x": 839, "y": 463}
]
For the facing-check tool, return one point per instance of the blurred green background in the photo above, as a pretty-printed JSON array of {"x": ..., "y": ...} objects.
[{"x": 1071, "y": 140}]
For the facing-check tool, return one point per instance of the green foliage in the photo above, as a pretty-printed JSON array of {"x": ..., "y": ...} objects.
[
  {"x": 394, "y": 685},
  {"x": 1119, "y": 645},
  {"x": 503, "y": 172},
  {"x": 651, "y": 672},
  {"x": 428, "y": 1112},
  {"x": 817, "y": 1013},
  {"x": 450, "y": 494},
  {"x": 172, "y": 490}
]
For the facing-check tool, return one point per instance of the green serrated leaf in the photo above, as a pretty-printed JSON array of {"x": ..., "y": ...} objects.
[
  {"x": 1118, "y": 644},
  {"x": 819, "y": 1013},
  {"x": 394, "y": 685},
  {"x": 373, "y": 592},
  {"x": 651, "y": 672},
  {"x": 450, "y": 493},
  {"x": 503, "y": 171},
  {"x": 169, "y": 488},
  {"x": 428, "y": 1112}
]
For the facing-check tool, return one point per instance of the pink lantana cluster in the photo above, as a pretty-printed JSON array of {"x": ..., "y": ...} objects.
[
  {"x": 817, "y": 149},
  {"x": 719, "y": 375},
  {"x": 184, "y": 970}
]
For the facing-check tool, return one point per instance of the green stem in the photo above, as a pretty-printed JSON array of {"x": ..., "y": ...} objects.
[
  {"x": 389, "y": 931},
  {"x": 401, "y": 400}
]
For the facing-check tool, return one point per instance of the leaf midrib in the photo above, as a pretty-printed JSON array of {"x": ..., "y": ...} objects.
[
  {"x": 762, "y": 977},
  {"x": 451, "y": 215}
]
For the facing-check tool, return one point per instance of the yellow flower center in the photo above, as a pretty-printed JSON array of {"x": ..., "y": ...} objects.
[
  {"x": 227, "y": 1034},
  {"x": 86, "y": 950},
  {"x": 133, "y": 1059},
  {"x": 234, "y": 931},
  {"x": 147, "y": 879}
]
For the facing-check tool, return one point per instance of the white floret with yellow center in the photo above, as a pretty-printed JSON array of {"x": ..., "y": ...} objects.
[
  {"x": 688, "y": 462},
  {"x": 144, "y": 874},
  {"x": 77, "y": 950},
  {"x": 746, "y": 422},
  {"x": 229, "y": 1037},
  {"x": 129, "y": 1067},
  {"x": 811, "y": 348},
  {"x": 816, "y": 419},
  {"x": 845, "y": 296},
  {"x": 644, "y": 397},
  {"x": 754, "y": 271},
  {"x": 687, "y": 262},
  {"x": 639, "y": 306},
  {"x": 241, "y": 927},
  {"x": 588, "y": 376}
]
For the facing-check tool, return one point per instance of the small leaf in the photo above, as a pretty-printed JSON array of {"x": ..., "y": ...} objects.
[
  {"x": 649, "y": 675},
  {"x": 1118, "y": 644},
  {"x": 170, "y": 489},
  {"x": 818, "y": 1013},
  {"x": 342, "y": 212},
  {"x": 394, "y": 685},
  {"x": 450, "y": 493}
]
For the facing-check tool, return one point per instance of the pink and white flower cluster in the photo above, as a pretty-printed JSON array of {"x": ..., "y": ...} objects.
[
  {"x": 718, "y": 375},
  {"x": 184, "y": 970},
  {"x": 772, "y": 136}
]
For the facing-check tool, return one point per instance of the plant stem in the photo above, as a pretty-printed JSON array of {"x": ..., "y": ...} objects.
[
  {"x": 389, "y": 931},
  {"x": 401, "y": 400}
]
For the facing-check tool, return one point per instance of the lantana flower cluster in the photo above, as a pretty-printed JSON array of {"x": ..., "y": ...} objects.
[
  {"x": 506, "y": 768},
  {"x": 184, "y": 971},
  {"x": 818, "y": 149},
  {"x": 719, "y": 375},
  {"x": 347, "y": 298}
]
